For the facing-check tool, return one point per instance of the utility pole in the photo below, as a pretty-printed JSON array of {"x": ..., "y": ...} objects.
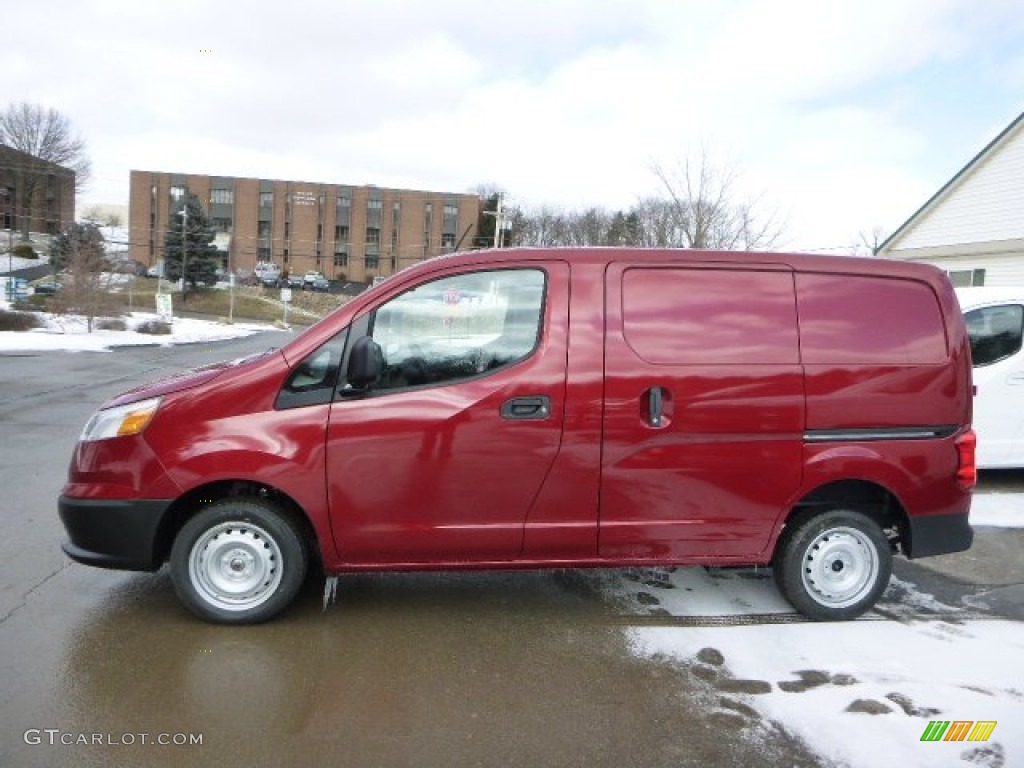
[{"x": 499, "y": 219}]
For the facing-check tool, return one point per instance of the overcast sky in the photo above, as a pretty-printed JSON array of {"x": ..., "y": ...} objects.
[{"x": 845, "y": 115}]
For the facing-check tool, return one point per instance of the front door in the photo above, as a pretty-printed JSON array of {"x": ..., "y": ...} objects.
[{"x": 440, "y": 461}]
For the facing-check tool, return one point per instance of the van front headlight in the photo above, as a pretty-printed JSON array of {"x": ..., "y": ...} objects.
[{"x": 122, "y": 421}]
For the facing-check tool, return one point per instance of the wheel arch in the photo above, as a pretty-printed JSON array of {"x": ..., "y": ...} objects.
[
  {"x": 869, "y": 497},
  {"x": 190, "y": 503}
]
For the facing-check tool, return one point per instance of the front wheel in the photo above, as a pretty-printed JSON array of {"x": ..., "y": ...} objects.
[
  {"x": 833, "y": 566},
  {"x": 239, "y": 561}
]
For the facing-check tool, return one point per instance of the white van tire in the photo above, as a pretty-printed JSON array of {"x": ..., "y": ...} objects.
[
  {"x": 833, "y": 566},
  {"x": 238, "y": 561}
]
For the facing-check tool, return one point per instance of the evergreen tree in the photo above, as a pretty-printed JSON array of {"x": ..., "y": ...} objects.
[
  {"x": 201, "y": 258},
  {"x": 82, "y": 243}
]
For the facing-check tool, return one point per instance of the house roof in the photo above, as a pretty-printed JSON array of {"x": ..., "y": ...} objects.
[{"x": 953, "y": 183}]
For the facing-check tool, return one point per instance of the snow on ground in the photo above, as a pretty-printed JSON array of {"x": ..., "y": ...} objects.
[
  {"x": 862, "y": 693},
  {"x": 69, "y": 333},
  {"x": 857, "y": 693},
  {"x": 998, "y": 510}
]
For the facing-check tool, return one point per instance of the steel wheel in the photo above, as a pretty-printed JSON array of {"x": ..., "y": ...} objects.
[
  {"x": 235, "y": 566},
  {"x": 238, "y": 561},
  {"x": 834, "y": 565},
  {"x": 840, "y": 567}
]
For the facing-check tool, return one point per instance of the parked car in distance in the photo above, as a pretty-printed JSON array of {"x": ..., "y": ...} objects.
[
  {"x": 296, "y": 280},
  {"x": 995, "y": 327},
  {"x": 548, "y": 408},
  {"x": 47, "y": 287},
  {"x": 311, "y": 277},
  {"x": 321, "y": 284}
]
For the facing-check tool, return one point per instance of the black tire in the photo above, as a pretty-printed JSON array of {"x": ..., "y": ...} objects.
[
  {"x": 239, "y": 561},
  {"x": 833, "y": 566}
]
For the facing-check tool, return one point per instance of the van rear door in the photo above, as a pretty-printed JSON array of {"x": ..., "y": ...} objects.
[{"x": 703, "y": 412}]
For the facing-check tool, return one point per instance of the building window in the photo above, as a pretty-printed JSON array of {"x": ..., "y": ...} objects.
[
  {"x": 177, "y": 193},
  {"x": 396, "y": 220},
  {"x": 341, "y": 235},
  {"x": 341, "y": 259},
  {"x": 263, "y": 228},
  {"x": 372, "y": 237},
  {"x": 263, "y": 253},
  {"x": 374, "y": 205},
  {"x": 222, "y": 196},
  {"x": 220, "y": 224},
  {"x": 371, "y": 261},
  {"x": 428, "y": 225},
  {"x": 448, "y": 241},
  {"x": 266, "y": 199},
  {"x": 964, "y": 278}
]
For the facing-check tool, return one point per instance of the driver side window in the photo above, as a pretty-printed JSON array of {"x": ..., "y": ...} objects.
[{"x": 459, "y": 327}]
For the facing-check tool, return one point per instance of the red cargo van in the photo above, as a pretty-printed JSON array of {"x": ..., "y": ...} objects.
[{"x": 554, "y": 408}]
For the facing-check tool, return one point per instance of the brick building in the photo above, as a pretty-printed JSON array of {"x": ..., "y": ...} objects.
[
  {"x": 52, "y": 201},
  {"x": 347, "y": 232}
]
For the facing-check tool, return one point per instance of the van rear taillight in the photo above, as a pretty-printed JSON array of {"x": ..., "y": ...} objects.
[{"x": 967, "y": 466}]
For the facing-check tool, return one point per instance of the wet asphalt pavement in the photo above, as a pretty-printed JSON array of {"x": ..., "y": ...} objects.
[{"x": 481, "y": 669}]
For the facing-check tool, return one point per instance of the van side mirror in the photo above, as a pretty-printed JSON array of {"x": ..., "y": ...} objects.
[{"x": 365, "y": 362}]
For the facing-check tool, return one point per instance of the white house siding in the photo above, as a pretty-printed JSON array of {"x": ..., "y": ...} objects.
[{"x": 986, "y": 206}]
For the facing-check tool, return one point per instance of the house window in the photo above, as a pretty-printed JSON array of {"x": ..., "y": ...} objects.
[
  {"x": 222, "y": 196},
  {"x": 964, "y": 278}
]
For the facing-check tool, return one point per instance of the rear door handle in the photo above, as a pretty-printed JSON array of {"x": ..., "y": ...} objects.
[{"x": 521, "y": 408}]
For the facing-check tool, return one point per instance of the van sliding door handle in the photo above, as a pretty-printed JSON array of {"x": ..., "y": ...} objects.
[
  {"x": 537, "y": 407},
  {"x": 655, "y": 406}
]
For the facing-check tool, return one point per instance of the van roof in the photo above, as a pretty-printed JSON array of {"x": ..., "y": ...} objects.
[{"x": 798, "y": 261}]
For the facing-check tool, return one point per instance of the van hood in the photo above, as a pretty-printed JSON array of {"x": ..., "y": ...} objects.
[{"x": 182, "y": 380}]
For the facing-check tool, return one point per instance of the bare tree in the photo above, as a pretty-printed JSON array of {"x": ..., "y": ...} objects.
[
  {"x": 47, "y": 136},
  {"x": 868, "y": 243},
  {"x": 706, "y": 211},
  {"x": 79, "y": 253}
]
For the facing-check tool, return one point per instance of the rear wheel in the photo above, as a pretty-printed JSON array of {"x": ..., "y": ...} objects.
[
  {"x": 239, "y": 561},
  {"x": 833, "y": 566}
]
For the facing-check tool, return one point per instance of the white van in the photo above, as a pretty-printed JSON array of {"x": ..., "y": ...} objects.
[{"x": 995, "y": 324}]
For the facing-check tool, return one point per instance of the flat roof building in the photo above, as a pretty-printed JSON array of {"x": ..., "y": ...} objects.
[
  {"x": 35, "y": 195},
  {"x": 347, "y": 232}
]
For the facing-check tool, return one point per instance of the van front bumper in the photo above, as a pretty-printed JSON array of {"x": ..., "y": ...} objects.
[
  {"x": 939, "y": 535},
  {"x": 113, "y": 533}
]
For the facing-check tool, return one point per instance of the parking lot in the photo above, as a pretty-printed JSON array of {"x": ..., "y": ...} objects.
[{"x": 644, "y": 667}]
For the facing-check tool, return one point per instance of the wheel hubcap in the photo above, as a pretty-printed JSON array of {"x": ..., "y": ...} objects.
[
  {"x": 235, "y": 566},
  {"x": 840, "y": 567}
]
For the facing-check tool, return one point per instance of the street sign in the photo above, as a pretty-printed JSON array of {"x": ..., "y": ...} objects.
[{"x": 164, "y": 308}]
